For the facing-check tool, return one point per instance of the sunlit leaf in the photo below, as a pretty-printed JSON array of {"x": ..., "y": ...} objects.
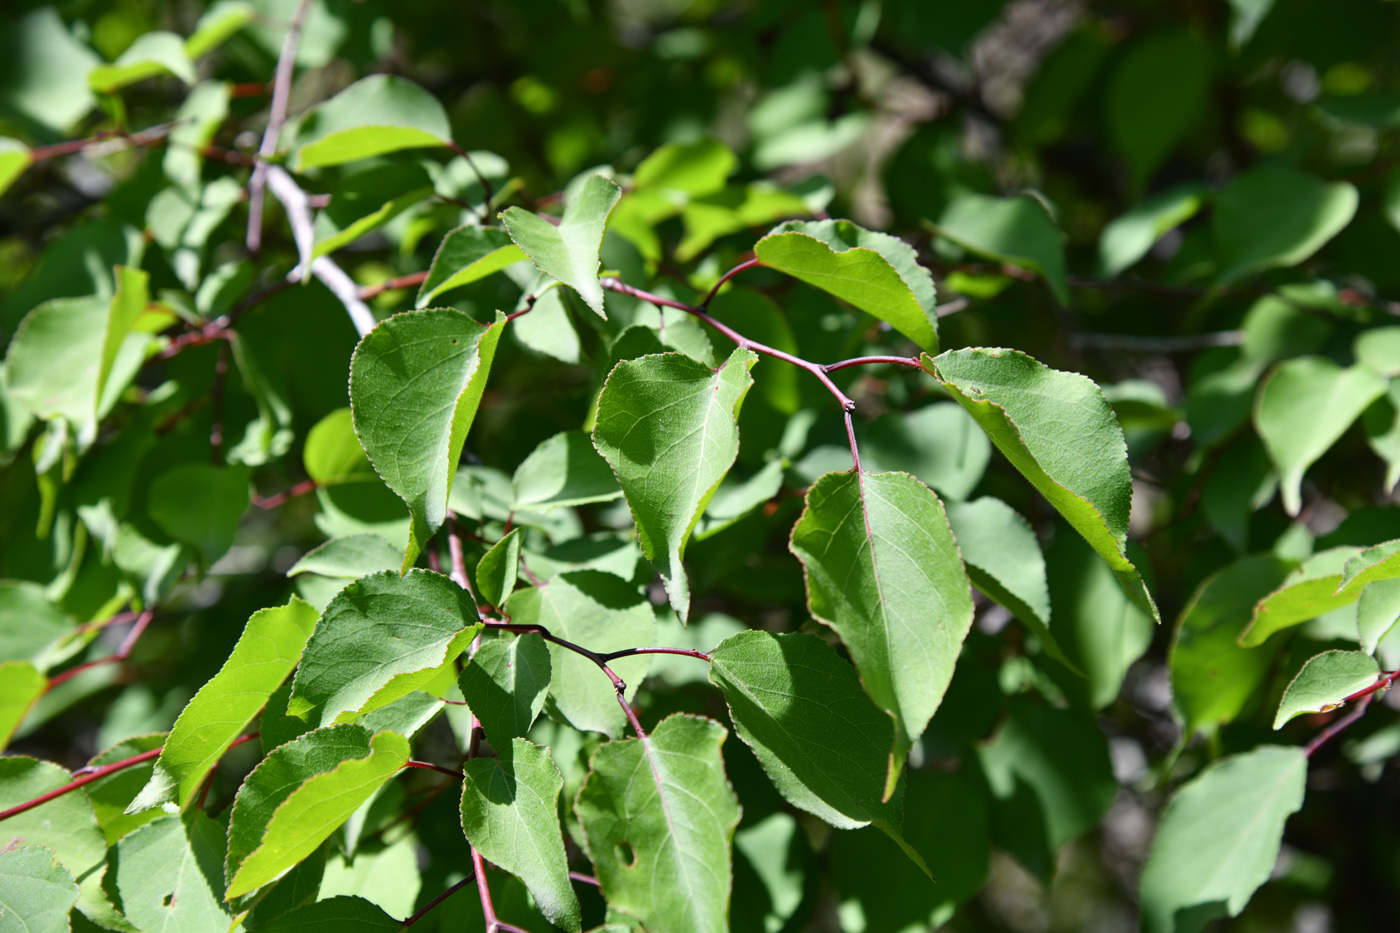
[
  {"x": 569, "y": 252},
  {"x": 465, "y": 255},
  {"x": 668, "y": 427},
  {"x": 564, "y": 470},
  {"x": 152, "y": 53},
  {"x": 1324, "y": 681},
  {"x": 496, "y": 574},
  {"x": 374, "y": 116},
  {"x": 21, "y": 685},
  {"x": 1306, "y": 593}
]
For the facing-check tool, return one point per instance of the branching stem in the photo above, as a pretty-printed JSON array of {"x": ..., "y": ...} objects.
[
  {"x": 123, "y": 652},
  {"x": 1326, "y": 735},
  {"x": 277, "y": 115}
]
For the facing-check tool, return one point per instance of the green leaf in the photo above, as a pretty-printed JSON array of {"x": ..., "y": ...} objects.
[
  {"x": 170, "y": 875},
  {"x": 349, "y": 557},
  {"x": 569, "y": 252},
  {"x": 200, "y": 505},
  {"x": 1213, "y": 677},
  {"x": 220, "y": 22},
  {"x": 1324, "y": 681},
  {"x": 1012, "y": 230},
  {"x": 946, "y": 817},
  {"x": 495, "y": 575},
  {"x": 299, "y": 794},
  {"x": 1306, "y": 593},
  {"x": 1304, "y": 407},
  {"x": 374, "y": 116},
  {"x": 696, "y": 168},
  {"x": 21, "y": 685},
  {"x": 876, "y": 272},
  {"x": 801, "y": 709},
  {"x": 110, "y": 795},
  {"x": 30, "y": 624},
  {"x": 151, "y": 54},
  {"x": 1050, "y": 772},
  {"x": 548, "y": 329},
  {"x": 333, "y": 453},
  {"x": 1379, "y": 562},
  {"x": 1273, "y": 217},
  {"x": 1219, "y": 839},
  {"x": 36, "y": 892},
  {"x": 724, "y": 212},
  {"x": 382, "y": 637},
  {"x": 265, "y": 654},
  {"x": 669, "y": 428},
  {"x": 342, "y": 914},
  {"x": 564, "y": 470},
  {"x": 658, "y": 817},
  {"x": 54, "y": 359},
  {"x": 1099, "y": 630},
  {"x": 505, "y": 685},
  {"x": 366, "y": 201},
  {"x": 467, "y": 254},
  {"x": 510, "y": 814},
  {"x": 1154, "y": 95},
  {"x": 603, "y": 613},
  {"x": 415, "y": 384},
  {"x": 884, "y": 571},
  {"x": 1003, "y": 560},
  {"x": 65, "y": 826},
  {"x": 775, "y": 872},
  {"x": 735, "y": 499},
  {"x": 1129, "y": 237},
  {"x": 14, "y": 159},
  {"x": 1377, "y": 611},
  {"x": 1058, "y": 430},
  {"x": 939, "y": 444}
]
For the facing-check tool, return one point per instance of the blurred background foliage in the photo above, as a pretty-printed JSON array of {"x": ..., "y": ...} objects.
[{"x": 1036, "y": 791}]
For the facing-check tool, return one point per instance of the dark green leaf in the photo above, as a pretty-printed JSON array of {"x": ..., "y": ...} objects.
[
  {"x": 1272, "y": 217},
  {"x": 505, "y": 684},
  {"x": 564, "y": 470},
  {"x": 1016, "y": 230},
  {"x": 495, "y": 575},
  {"x": 200, "y": 505}
]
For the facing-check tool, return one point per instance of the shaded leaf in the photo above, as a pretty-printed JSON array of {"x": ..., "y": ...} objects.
[
  {"x": 1377, "y": 611},
  {"x": 1013, "y": 230},
  {"x": 658, "y": 817},
  {"x": 381, "y": 638},
  {"x": 505, "y": 685},
  {"x": 564, "y": 470},
  {"x": 375, "y": 115},
  {"x": 548, "y": 329},
  {"x": 415, "y": 384},
  {"x": 1219, "y": 839},
  {"x": 170, "y": 875},
  {"x": 36, "y": 892},
  {"x": 495, "y": 575},
  {"x": 349, "y": 557},
  {"x": 1304, "y": 407},
  {"x": 265, "y": 654},
  {"x": 569, "y": 252},
  {"x": 200, "y": 505},
  {"x": 466, "y": 254},
  {"x": 876, "y": 272},
  {"x": 1271, "y": 217},
  {"x": 1324, "y": 681},
  {"x": 603, "y": 613},
  {"x": 1155, "y": 93},
  {"x": 299, "y": 794},
  {"x": 1003, "y": 560},
  {"x": 801, "y": 709},
  {"x": 510, "y": 814},
  {"x": 735, "y": 499},
  {"x": 1058, "y": 430},
  {"x": 668, "y": 427},
  {"x": 884, "y": 571},
  {"x": 366, "y": 201},
  {"x": 1128, "y": 237},
  {"x": 940, "y": 444},
  {"x": 1212, "y": 677},
  {"x": 341, "y": 914},
  {"x": 1050, "y": 772},
  {"x": 31, "y": 624},
  {"x": 110, "y": 795}
]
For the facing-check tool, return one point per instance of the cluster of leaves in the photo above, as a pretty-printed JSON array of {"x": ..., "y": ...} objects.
[{"x": 549, "y": 551}]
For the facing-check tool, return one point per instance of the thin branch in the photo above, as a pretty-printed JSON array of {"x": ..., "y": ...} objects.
[
  {"x": 85, "y": 777},
  {"x": 618, "y": 285},
  {"x": 272, "y": 502},
  {"x": 629, "y": 652},
  {"x": 281, "y": 92},
  {"x": 488, "y": 193},
  {"x": 1382, "y": 684},
  {"x": 404, "y": 281},
  {"x": 1326, "y": 735},
  {"x": 851, "y": 436},
  {"x": 438, "y": 900},
  {"x": 747, "y": 264},
  {"x": 140, "y": 138},
  {"x": 586, "y": 879},
  {"x": 216, "y": 399},
  {"x": 123, "y": 652},
  {"x": 872, "y": 360},
  {"x": 429, "y": 766}
]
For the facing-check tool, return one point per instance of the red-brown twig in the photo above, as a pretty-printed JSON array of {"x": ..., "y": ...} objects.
[
  {"x": 438, "y": 900},
  {"x": 273, "y": 501},
  {"x": 123, "y": 652},
  {"x": 429, "y": 766}
]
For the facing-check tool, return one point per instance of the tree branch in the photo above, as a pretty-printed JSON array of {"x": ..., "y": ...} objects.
[{"x": 281, "y": 92}]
